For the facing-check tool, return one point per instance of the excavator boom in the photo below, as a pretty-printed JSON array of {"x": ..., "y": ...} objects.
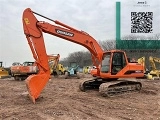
[
  {"x": 152, "y": 61},
  {"x": 34, "y": 28}
]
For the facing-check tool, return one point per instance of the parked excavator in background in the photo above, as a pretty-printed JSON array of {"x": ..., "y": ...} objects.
[
  {"x": 61, "y": 69},
  {"x": 151, "y": 73},
  {"x": 72, "y": 71},
  {"x": 154, "y": 72},
  {"x": 3, "y": 72},
  {"x": 56, "y": 68},
  {"x": 111, "y": 65},
  {"x": 22, "y": 71},
  {"x": 142, "y": 61}
]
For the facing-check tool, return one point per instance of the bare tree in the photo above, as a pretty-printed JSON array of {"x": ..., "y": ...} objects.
[
  {"x": 108, "y": 44},
  {"x": 82, "y": 58}
]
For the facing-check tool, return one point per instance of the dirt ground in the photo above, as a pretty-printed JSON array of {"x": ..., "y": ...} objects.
[{"x": 62, "y": 100}]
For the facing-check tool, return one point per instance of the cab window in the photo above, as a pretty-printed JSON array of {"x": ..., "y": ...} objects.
[{"x": 106, "y": 63}]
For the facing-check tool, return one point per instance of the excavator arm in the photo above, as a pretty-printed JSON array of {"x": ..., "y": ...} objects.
[
  {"x": 152, "y": 62},
  {"x": 33, "y": 29}
]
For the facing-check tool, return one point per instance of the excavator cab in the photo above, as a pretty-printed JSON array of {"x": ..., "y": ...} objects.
[
  {"x": 118, "y": 62},
  {"x": 113, "y": 62}
]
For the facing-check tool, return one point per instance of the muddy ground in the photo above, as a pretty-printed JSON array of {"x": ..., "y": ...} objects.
[{"x": 62, "y": 100}]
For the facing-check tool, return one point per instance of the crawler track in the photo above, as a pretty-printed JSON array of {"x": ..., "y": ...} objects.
[
  {"x": 110, "y": 88},
  {"x": 119, "y": 87}
]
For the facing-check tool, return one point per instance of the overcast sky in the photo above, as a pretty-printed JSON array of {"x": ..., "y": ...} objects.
[{"x": 96, "y": 17}]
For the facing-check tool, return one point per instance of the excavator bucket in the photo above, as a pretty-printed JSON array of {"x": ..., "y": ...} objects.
[{"x": 35, "y": 84}]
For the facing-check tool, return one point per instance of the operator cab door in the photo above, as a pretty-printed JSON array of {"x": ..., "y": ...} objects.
[
  {"x": 105, "y": 66},
  {"x": 118, "y": 62}
]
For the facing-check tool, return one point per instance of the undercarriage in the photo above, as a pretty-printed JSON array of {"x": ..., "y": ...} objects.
[{"x": 109, "y": 88}]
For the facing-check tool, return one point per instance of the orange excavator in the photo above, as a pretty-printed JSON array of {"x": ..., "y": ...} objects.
[
  {"x": 111, "y": 65},
  {"x": 22, "y": 71}
]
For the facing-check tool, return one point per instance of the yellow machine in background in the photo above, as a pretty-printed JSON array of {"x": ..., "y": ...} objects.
[
  {"x": 85, "y": 69},
  {"x": 55, "y": 67},
  {"x": 154, "y": 73},
  {"x": 3, "y": 72},
  {"x": 142, "y": 61},
  {"x": 61, "y": 69}
]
